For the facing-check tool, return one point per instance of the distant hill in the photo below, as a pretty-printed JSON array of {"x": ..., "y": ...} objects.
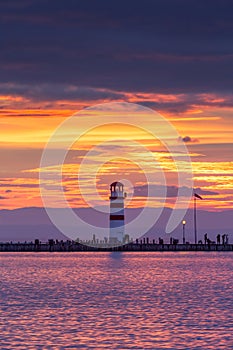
[{"x": 26, "y": 224}]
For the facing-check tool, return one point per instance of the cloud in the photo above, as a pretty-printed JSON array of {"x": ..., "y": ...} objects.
[
  {"x": 172, "y": 191},
  {"x": 51, "y": 92},
  {"x": 165, "y": 45},
  {"x": 2, "y": 197},
  {"x": 68, "y": 95},
  {"x": 188, "y": 139},
  {"x": 8, "y": 191},
  {"x": 200, "y": 191},
  {"x": 23, "y": 185},
  {"x": 178, "y": 103}
]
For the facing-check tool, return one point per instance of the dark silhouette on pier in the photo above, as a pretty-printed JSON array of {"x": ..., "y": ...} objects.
[{"x": 144, "y": 244}]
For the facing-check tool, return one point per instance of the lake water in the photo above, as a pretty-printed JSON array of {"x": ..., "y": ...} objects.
[{"x": 116, "y": 300}]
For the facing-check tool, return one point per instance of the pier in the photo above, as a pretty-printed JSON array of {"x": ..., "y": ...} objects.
[{"x": 70, "y": 246}]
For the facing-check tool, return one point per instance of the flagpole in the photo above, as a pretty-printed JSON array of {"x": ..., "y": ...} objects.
[{"x": 195, "y": 219}]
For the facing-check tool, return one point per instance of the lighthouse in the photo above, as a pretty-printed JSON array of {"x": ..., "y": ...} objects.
[{"x": 117, "y": 216}]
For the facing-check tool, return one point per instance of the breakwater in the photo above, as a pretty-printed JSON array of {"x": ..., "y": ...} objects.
[{"x": 131, "y": 247}]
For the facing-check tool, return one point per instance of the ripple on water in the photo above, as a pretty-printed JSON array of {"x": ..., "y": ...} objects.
[{"x": 116, "y": 300}]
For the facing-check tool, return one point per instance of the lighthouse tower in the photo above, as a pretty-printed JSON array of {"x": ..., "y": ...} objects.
[{"x": 117, "y": 216}]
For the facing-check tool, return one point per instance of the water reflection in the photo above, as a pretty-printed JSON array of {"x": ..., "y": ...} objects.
[
  {"x": 116, "y": 300},
  {"x": 115, "y": 260}
]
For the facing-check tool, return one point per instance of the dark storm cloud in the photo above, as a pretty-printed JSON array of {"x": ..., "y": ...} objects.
[
  {"x": 49, "y": 92},
  {"x": 67, "y": 92},
  {"x": 163, "y": 45}
]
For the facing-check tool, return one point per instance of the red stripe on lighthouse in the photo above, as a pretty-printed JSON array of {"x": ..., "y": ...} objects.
[{"x": 117, "y": 217}]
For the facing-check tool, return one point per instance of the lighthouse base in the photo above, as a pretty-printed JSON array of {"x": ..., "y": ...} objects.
[{"x": 116, "y": 231}]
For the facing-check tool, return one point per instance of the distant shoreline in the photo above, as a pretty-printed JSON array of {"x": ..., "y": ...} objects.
[{"x": 131, "y": 247}]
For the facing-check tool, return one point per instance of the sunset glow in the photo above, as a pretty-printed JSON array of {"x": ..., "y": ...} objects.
[{"x": 25, "y": 130}]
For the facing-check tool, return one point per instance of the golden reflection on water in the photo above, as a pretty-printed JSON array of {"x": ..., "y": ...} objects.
[{"x": 116, "y": 300}]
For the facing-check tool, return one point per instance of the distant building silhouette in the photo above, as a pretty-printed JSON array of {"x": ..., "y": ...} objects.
[{"x": 117, "y": 216}]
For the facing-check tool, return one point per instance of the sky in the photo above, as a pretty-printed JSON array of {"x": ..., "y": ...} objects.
[{"x": 173, "y": 56}]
